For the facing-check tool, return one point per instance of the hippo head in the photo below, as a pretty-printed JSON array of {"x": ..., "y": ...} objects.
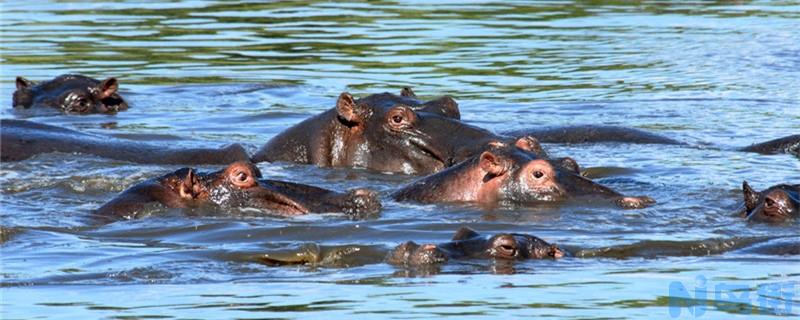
[
  {"x": 76, "y": 95},
  {"x": 776, "y": 204},
  {"x": 398, "y": 138},
  {"x": 521, "y": 246},
  {"x": 467, "y": 243},
  {"x": 240, "y": 185},
  {"x": 516, "y": 175},
  {"x": 102, "y": 98},
  {"x": 509, "y": 246}
]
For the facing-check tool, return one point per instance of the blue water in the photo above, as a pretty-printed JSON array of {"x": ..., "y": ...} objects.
[{"x": 716, "y": 75}]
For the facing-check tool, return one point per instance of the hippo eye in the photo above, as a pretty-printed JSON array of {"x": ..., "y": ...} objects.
[
  {"x": 768, "y": 202},
  {"x": 401, "y": 118},
  {"x": 538, "y": 174},
  {"x": 82, "y": 104},
  {"x": 241, "y": 177}
]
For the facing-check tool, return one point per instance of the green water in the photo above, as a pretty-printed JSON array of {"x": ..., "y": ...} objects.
[{"x": 716, "y": 75}]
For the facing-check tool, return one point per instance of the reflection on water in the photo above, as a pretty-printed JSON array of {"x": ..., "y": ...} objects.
[{"x": 714, "y": 75}]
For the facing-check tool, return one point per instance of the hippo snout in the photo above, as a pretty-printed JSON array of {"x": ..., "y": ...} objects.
[{"x": 361, "y": 203}]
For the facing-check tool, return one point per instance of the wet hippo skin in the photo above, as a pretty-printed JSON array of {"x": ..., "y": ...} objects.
[
  {"x": 510, "y": 174},
  {"x": 789, "y": 144},
  {"x": 592, "y": 134},
  {"x": 239, "y": 185},
  {"x": 23, "y": 139},
  {"x": 70, "y": 93},
  {"x": 601, "y": 133},
  {"x": 776, "y": 204},
  {"x": 383, "y": 132},
  {"x": 468, "y": 244}
]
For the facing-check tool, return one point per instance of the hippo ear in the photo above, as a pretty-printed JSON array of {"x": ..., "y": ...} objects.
[
  {"x": 569, "y": 164},
  {"x": 492, "y": 164},
  {"x": 465, "y": 233},
  {"x": 531, "y": 144},
  {"x": 750, "y": 196},
  {"x": 347, "y": 109},
  {"x": 23, "y": 83},
  {"x": 189, "y": 186},
  {"x": 106, "y": 88},
  {"x": 445, "y": 106},
  {"x": 407, "y": 92}
]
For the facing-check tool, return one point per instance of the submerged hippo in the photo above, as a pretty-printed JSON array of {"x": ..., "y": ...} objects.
[
  {"x": 506, "y": 174},
  {"x": 24, "y": 139},
  {"x": 239, "y": 185},
  {"x": 789, "y": 144},
  {"x": 71, "y": 93},
  {"x": 593, "y": 134},
  {"x": 778, "y": 203},
  {"x": 468, "y": 244},
  {"x": 382, "y": 132}
]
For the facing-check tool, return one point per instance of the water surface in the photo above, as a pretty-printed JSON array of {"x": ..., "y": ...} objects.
[{"x": 716, "y": 75}]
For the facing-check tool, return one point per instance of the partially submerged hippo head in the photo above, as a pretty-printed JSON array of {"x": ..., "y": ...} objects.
[
  {"x": 239, "y": 186},
  {"x": 71, "y": 94},
  {"x": 778, "y": 203},
  {"x": 468, "y": 244},
  {"x": 511, "y": 175},
  {"x": 381, "y": 132}
]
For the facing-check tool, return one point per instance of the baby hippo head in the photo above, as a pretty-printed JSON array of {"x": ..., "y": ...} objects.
[
  {"x": 521, "y": 246},
  {"x": 73, "y": 94},
  {"x": 102, "y": 98},
  {"x": 777, "y": 204}
]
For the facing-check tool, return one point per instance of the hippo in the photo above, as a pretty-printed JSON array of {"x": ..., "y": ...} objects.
[
  {"x": 72, "y": 94},
  {"x": 381, "y": 132},
  {"x": 592, "y": 134},
  {"x": 776, "y": 204},
  {"x": 22, "y": 139},
  {"x": 601, "y": 133},
  {"x": 239, "y": 185},
  {"x": 401, "y": 134},
  {"x": 468, "y": 244},
  {"x": 506, "y": 174},
  {"x": 789, "y": 145}
]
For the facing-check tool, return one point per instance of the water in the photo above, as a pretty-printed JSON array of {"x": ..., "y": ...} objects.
[{"x": 715, "y": 75}]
